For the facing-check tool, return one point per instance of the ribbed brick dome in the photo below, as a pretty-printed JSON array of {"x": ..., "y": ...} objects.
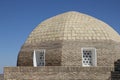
[
  {"x": 72, "y": 26},
  {"x": 64, "y": 38}
]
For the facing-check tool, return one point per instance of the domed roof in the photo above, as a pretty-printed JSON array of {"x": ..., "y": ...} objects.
[{"x": 72, "y": 26}]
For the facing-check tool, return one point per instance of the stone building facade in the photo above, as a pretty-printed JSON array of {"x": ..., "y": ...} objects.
[{"x": 69, "y": 46}]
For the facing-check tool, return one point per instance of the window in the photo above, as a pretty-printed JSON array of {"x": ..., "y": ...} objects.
[
  {"x": 39, "y": 58},
  {"x": 89, "y": 57}
]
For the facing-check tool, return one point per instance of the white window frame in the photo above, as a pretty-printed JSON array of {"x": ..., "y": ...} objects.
[
  {"x": 94, "y": 56},
  {"x": 35, "y": 57}
]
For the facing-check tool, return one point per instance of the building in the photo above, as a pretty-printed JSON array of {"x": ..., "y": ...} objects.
[
  {"x": 1, "y": 77},
  {"x": 69, "y": 46}
]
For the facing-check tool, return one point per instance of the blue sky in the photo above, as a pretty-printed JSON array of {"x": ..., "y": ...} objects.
[{"x": 19, "y": 17}]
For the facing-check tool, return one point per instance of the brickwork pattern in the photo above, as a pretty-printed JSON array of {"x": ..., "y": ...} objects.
[
  {"x": 107, "y": 52},
  {"x": 57, "y": 73},
  {"x": 66, "y": 53},
  {"x": 52, "y": 55},
  {"x": 72, "y": 26},
  {"x": 64, "y": 35}
]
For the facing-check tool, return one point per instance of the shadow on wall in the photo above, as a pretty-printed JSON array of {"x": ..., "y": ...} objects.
[{"x": 115, "y": 75}]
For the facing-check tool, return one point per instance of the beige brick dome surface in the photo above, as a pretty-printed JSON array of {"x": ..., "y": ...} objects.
[{"x": 72, "y": 26}]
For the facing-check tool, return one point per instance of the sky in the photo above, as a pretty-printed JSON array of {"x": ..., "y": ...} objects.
[{"x": 19, "y": 17}]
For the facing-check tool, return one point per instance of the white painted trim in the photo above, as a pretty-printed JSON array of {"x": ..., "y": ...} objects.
[
  {"x": 95, "y": 57},
  {"x": 35, "y": 58},
  {"x": 44, "y": 57}
]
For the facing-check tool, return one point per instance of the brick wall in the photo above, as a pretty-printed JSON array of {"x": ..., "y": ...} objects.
[
  {"x": 68, "y": 53},
  {"x": 57, "y": 73},
  {"x": 107, "y": 52},
  {"x": 52, "y": 55}
]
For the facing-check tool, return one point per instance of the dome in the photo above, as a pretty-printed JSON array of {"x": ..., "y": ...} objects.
[
  {"x": 71, "y": 39},
  {"x": 72, "y": 26}
]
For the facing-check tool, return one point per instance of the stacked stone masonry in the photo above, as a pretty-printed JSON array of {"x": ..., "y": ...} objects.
[
  {"x": 57, "y": 73},
  {"x": 72, "y": 26},
  {"x": 68, "y": 53}
]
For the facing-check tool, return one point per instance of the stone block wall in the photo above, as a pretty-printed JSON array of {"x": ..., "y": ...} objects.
[
  {"x": 68, "y": 53},
  {"x": 57, "y": 73},
  {"x": 107, "y": 52},
  {"x": 52, "y": 56}
]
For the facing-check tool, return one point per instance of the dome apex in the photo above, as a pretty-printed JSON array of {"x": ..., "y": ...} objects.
[{"x": 72, "y": 12}]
